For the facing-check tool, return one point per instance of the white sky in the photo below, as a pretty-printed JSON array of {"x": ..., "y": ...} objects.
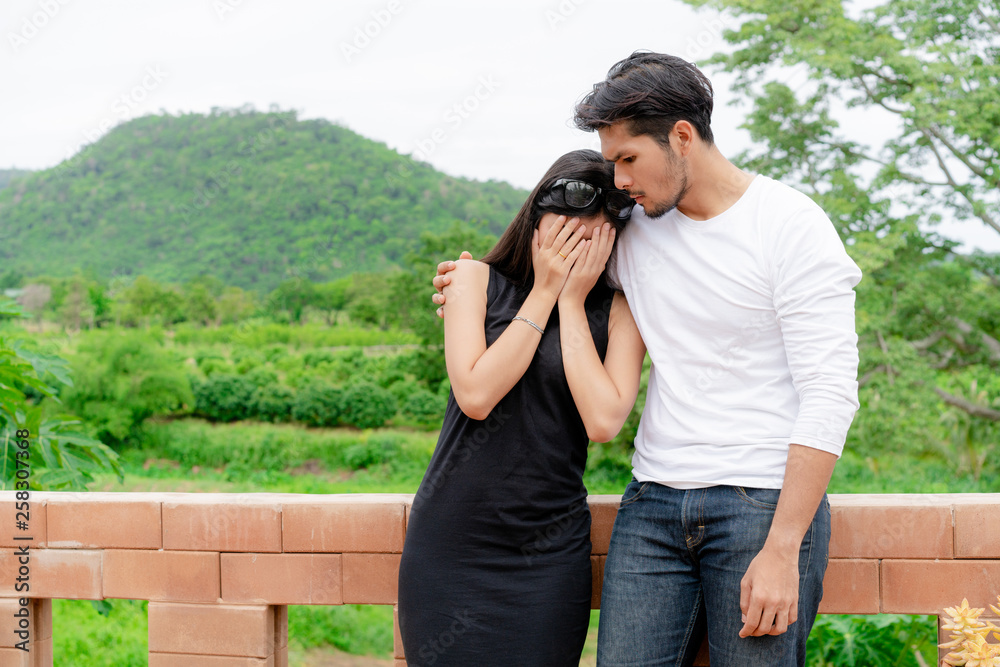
[{"x": 482, "y": 90}]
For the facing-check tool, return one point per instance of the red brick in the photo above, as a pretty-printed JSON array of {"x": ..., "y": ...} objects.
[
  {"x": 891, "y": 531},
  {"x": 53, "y": 573},
  {"x": 397, "y": 637},
  {"x": 188, "y": 660},
  {"x": 977, "y": 531},
  {"x": 398, "y": 663},
  {"x": 850, "y": 587},
  {"x": 229, "y": 630},
  {"x": 281, "y": 657},
  {"x": 39, "y": 621},
  {"x": 183, "y": 576},
  {"x": 43, "y": 652},
  {"x": 222, "y": 526},
  {"x": 927, "y": 587},
  {"x": 37, "y": 513},
  {"x": 280, "y": 626},
  {"x": 597, "y": 573},
  {"x": 603, "y": 510},
  {"x": 282, "y": 578},
  {"x": 105, "y": 524},
  {"x": 13, "y": 657},
  {"x": 371, "y": 578},
  {"x": 360, "y": 527}
]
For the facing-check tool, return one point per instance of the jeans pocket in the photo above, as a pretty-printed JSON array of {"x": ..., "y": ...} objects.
[
  {"x": 633, "y": 492},
  {"x": 761, "y": 498}
]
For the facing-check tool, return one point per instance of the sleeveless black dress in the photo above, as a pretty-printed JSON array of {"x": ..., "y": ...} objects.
[{"x": 496, "y": 565}]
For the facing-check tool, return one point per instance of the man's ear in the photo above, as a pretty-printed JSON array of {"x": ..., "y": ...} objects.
[{"x": 682, "y": 138}]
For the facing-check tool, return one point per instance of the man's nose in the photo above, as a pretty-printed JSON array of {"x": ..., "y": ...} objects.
[{"x": 623, "y": 181}]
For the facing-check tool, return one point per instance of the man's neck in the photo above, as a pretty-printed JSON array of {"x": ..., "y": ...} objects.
[{"x": 716, "y": 184}]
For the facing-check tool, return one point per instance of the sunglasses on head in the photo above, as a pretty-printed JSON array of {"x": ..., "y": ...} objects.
[{"x": 580, "y": 195}]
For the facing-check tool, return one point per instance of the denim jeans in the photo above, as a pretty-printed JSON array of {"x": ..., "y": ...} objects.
[{"x": 673, "y": 572}]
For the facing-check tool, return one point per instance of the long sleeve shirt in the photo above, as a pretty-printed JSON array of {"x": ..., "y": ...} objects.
[{"x": 749, "y": 322}]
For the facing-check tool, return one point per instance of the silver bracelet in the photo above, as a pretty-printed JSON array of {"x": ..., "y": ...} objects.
[{"x": 525, "y": 319}]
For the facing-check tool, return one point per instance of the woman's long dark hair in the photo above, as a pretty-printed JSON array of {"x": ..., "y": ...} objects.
[{"x": 511, "y": 256}]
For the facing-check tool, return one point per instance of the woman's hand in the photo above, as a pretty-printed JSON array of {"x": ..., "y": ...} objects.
[
  {"x": 588, "y": 266},
  {"x": 554, "y": 255}
]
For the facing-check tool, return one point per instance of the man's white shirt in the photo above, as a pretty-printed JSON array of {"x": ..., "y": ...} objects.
[{"x": 749, "y": 322}]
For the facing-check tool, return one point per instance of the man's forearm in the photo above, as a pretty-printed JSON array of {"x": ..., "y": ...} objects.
[{"x": 807, "y": 476}]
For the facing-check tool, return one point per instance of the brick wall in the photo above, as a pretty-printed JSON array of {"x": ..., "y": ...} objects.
[{"x": 220, "y": 569}]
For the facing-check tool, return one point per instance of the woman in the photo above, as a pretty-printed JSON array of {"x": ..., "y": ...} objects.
[{"x": 496, "y": 565}]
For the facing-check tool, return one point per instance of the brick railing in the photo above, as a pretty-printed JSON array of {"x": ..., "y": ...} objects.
[{"x": 219, "y": 570}]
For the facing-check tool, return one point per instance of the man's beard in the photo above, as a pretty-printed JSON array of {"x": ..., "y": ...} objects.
[
  {"x": 653, "y": 210},
  {"x": 658, "y": 211}
]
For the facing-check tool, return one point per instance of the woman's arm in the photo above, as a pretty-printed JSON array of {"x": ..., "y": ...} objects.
[
  {"x": 603, "y": 393},
  {"x": 480, "y": 375}
]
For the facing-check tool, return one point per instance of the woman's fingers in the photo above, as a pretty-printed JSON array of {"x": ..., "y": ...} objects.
[
  {"x": 553, "y": 233},
  {"x": 573, "y": 240}
]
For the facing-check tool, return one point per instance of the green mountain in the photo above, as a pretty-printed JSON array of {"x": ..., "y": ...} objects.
[
  {"x": 7, "y": 175},
  {"x": 249, "y": 197}
]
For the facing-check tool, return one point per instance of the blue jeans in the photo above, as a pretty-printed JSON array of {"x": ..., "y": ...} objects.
[{"x": 674, "y": 569}]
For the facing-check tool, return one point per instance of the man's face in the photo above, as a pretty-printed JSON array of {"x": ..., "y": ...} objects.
[{"x": 653, "y": 175}]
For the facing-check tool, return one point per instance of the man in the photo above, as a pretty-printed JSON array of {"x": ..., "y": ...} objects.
[{"x": 743, "y": 294}]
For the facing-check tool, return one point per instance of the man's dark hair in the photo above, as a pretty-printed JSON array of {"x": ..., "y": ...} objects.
[{"x": 651, "y": 92}]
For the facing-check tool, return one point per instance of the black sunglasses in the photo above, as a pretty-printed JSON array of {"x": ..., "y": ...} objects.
[{"x": 580, "y": 195}]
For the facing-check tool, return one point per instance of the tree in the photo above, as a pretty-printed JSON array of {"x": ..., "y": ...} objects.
[
  {"x": 33, "y": 298},
  {"x": 331, "y": 297},
  {"x": 926, "y": 73},
  {"x": 928, "y": 68},
  {"x": 53, "y": 449}
]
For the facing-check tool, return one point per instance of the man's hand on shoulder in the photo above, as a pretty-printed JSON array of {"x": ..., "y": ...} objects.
[{"x": 442, "y": 278}]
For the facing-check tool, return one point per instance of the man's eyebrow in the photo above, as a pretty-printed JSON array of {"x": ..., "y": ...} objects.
[{"x": 617, "y": 157}]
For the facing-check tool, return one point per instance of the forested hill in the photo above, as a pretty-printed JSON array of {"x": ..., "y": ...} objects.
[
  {"x": 7, "y": 175},
  {"x": 249, "y": 197}
]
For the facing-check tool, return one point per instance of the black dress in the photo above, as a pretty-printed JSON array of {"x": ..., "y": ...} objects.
[{"x": 496, "y": 565}]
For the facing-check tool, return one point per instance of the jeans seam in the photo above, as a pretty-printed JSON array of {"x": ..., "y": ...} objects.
[
  {"x": 692, "y": 621},
  {"x": 742, "y": 495},
  {"x": 640, "y": 492}
]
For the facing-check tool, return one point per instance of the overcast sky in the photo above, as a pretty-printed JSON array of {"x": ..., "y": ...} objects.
[{"x": 482, "y": 90}]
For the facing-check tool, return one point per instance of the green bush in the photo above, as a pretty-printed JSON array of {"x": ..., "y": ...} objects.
[
  {"x": 245, "y": 360},
  {"x": 367, "y": 405},
  {"x": 224, "y": 397},
  {"x": 312, "y": 358},
  {"x": 262, "y": 377},
  {"x": 424, "y": 407},
  {"x": 216, "y": 366},
  {"x": 376, "y": 449},
  {"x": 272, "y": 403},
  {"x": 122, "y": 379},
  {"x": 318, "y": 404}
]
